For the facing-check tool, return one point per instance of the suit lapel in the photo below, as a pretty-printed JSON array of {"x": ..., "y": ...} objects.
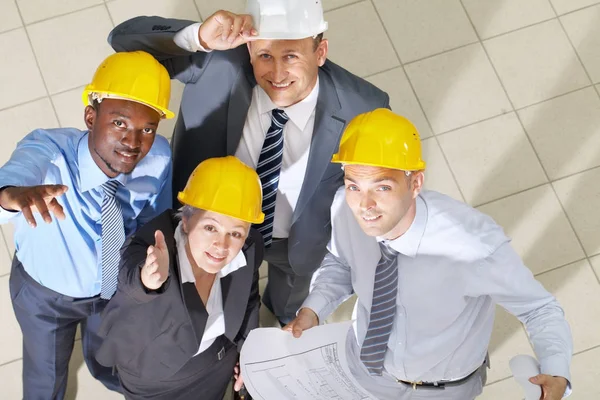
[
  {"x": 235, "y": 289},
  {"x": 326, "y": 135},
  {"x": 239, "y": 103}
]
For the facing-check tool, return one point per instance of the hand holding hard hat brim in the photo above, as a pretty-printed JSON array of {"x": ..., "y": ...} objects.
[{"x": 225, "y": 30}]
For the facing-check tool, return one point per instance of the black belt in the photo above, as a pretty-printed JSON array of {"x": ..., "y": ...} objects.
[{"x": 440, "y": 384}]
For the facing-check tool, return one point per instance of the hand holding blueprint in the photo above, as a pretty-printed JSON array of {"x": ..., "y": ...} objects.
[{"x": 277, "y": 366}]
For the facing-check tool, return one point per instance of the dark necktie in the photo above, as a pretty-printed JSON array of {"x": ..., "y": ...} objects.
[{"x": 268, "y": 168}]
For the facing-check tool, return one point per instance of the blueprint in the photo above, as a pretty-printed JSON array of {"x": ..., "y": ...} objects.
[{"x": 276, "y": 366}]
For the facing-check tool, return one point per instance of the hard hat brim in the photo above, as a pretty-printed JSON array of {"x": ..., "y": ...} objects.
[
  {"x": 419, "y": 167},
  {"x": 259, "y": 220},
  {"x": 166, "y": 113}
]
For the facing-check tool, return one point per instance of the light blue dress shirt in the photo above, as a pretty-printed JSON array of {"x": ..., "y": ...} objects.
[
  {"x": 455, "y": 264},
  {"x": 65, "y": 255}
]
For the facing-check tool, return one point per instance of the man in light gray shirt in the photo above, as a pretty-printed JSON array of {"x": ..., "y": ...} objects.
[{"x": 428, "y": 271}]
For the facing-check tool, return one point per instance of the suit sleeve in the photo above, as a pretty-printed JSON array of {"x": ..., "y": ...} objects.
[
  {"x": 251, "y": 316},
  {"x": 155, "y": 35}
]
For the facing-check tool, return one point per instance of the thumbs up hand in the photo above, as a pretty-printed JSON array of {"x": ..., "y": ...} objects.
[{"x": 156, "y": 269}]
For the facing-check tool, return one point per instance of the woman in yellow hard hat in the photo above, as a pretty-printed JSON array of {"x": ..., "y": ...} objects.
[{"x": 188, "y": 289}]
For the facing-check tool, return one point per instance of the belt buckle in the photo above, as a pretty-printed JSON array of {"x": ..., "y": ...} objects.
[{"x": 221, "y": 354}]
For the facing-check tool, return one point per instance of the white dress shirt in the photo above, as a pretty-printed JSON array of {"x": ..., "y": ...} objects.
[
  {"x": 455, "y": 264},
  {"x": 297, "y": 136},
  {"x": 215, "y": 324}
]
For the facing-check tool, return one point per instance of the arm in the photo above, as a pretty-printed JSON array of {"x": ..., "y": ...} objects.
[
  {"x": 156, "y": 35},
  {"x": 22, "y": 178},
  {"x": 504, "y": 277}
]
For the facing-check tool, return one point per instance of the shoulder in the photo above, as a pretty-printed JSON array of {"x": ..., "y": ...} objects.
[
  {"x": 354, "y": 89},
  {"x": 157, "y": 162},
  {"x": 254, "y": 248},
  {"x": 57, "y": 141},
  {"x": 450, "y": 222}
]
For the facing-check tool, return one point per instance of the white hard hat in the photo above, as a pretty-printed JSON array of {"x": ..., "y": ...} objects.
[{"x": 286, "y": 19}]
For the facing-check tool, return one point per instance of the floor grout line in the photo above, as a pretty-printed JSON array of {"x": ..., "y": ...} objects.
[
  {"x": 344, "y": 6},
  {"x": 11, "y": 361},
  {"x": 59, "y": 15},
  {"x": 410, "y": 84}
]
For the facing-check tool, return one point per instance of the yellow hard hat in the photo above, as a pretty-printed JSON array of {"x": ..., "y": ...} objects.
[
  {"x": 135, "y": 76},
  {"x": 380, "y": 138},
  {"x": 227, "y": 186}
]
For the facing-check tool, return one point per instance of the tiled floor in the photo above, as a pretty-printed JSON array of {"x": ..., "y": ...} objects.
[{"x": 504, "y": 92}]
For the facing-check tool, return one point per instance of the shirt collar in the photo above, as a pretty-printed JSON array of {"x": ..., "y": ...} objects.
[
  {"x": 90, "y": 175},
  {"x": 299, "y": 113},
  {"x": 408, "y": 244},
  {"x": 185, "y": 267}
]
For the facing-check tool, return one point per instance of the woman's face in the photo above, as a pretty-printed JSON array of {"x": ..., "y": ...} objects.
[{"x": 214, "y": 239}]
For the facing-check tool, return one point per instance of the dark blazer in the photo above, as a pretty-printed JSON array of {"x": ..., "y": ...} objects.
[
  {"x": 213, "y": 112},
  {"x": 152, "y": 334}
]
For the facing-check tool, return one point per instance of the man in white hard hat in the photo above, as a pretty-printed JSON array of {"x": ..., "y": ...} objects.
[{"x": 259, "y": 86}]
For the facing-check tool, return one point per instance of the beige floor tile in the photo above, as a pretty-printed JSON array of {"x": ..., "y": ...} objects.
[
  {"x": 266, "y": 317},
  {"x": 493, "y": 17},
  {"x": 507, "y": 389},
  {"x": 10, "y": 334},
  {"x": 508, "y": 340},
  {"x": 375, "y": 49},
  {"x": 122, "y": 10},
  {"x": 5, "y": 259},
  {"x": 536, "y": 63},
  {"x": 331, "y": 4},
  {"x": 578, "y": 292},
  {"x": 20, "y": 78},
  {"x": 458, "y": 88},
  {"x": 20, "y": 120},
  {"x": 9, "y": 16},
  {"x": 8, "y": 232},
  {"x": 583, "y": 27},
  {"x": 580, "y": 196},
  {"x": 492, "y": 159},
  {"x": 35, "y": 10},
  {"x": 437, "y": 174},
  {"x": 207, "y": 8},
  {"x": 81, "y": 385},
  {"x": 343, "y": 312},
  {"x": 70, "y": 108},
  {"x": 539, "y": 228},
  {"x": 586, "y": 375},
  {"x": 565, "y": 6},
  {"x": 420, "y": 29},
  {"x": 10, "y": 376},
  {"x": 264, "y": 270},
  {"x": 596, "y": 265},
  {"x": 402, "y": 98},
  {"x": 565, "y": 132},
  {"x": 166, "y": 126},
  {"x": 82, "y": 46}
]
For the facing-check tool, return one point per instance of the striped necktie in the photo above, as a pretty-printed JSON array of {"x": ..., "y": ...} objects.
[
  {"x": 383, "y": 311},
  {"x": 268, "y": 168},
  {"x": 113, "y": 237}
]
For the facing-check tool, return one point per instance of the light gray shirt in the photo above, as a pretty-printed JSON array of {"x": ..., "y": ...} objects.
[{"x": 455, "y": 264}]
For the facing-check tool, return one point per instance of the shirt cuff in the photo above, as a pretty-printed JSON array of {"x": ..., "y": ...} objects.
[
  {"x": 319, "y": 304},
  {"x": 557, "y": 366},
  {"x": 188, "y": 39}
]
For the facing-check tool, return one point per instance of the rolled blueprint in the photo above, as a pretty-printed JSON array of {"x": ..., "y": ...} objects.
[{"x": 524, "y": 367}]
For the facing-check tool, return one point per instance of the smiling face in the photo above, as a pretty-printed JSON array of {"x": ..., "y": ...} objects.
[
  {"x": 287, "y": 70},
  {"x": 121, "y": 134},
  {"x": 213, "y": 239},
  {"x": 381, "y": 199}
]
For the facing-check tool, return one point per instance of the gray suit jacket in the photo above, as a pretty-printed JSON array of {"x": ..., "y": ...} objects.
[{"x": 213, "y": 112}]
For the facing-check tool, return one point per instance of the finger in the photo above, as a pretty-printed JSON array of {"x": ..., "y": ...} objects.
[
  {"x": 42, "y": 208},
  {"x": 297, "y": 331},
  {"x": 236, "y": 29},
  {"x": 28, "y": 214},
  {"x": 226, "y": 22},
  {"x": 159, "y": 240},
  {"x": 248, "y": 26},
  {"x": 236, "y": 369},
  {"x": 54, "y": 190},
  {"x": 238, "y": 384},
  {"x": 56, "y": 209}
]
